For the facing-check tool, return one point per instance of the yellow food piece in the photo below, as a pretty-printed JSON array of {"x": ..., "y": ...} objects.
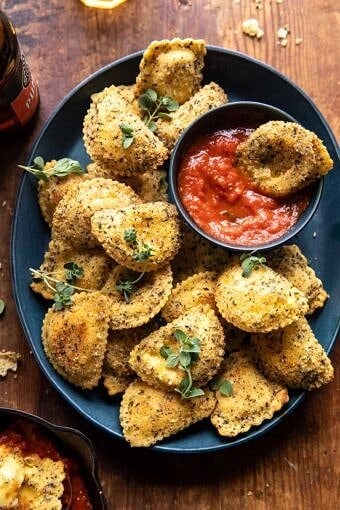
[
  {"x": 72, "y": 217},
  {"x": 208, "y": 97},
  {"x": 156, "y": 225},
  {"x": 148, "y": 415},
  {"x": 262, "y": 302},
  {"x": 8, "y": 361},
  {"x": 254, "y": 398},
  {"x": 150, "y": 295},
  {"x": 283, "y": 157},
  {"x": 95, "y": 263},
  {"x": 200, "y": 322},
  {"x": 293, "y": 356},
  {"x": 12, "y": 476},
  {"x": 172, "y": 68},
  {"x": 196, "y": 290},
  {"x": 75, "y": 338},
  {"x": 290, "y": 262}
]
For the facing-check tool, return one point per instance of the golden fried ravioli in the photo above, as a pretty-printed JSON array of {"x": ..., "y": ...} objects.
[
  {"x": 253, "y": 400},
  {"x": 134, "y": 298},
  {"x": 290, "y": 262},
  {"x": 141, "y": 237},
  {"x": 75, "y": 338},
  {"x": 148, "y": 415},
  {"x": 72, "y": 217},
  {"x": 172, "y": 68},
  {"x": 263, "y": 301},
  {"x": 196, "y": 290},
  {"x": 208, "y": 97},
  {"x": 293, "y": 356},
  {"x": 200, "y": 322},
  {"x": 283, "y": 157},
  {"x": 96, "y": 266}
]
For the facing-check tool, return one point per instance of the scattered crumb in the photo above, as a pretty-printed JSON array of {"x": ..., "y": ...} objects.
[
  {"x": 290, "y": 464},
  {"x": 8, "y": 361},
  {"x": 252, "y": 28},
  {"x": 298, "y": 40},
  {"x": 250, "y": 493},
  {"x": 267, "y": 484},
  {"x": 314, "y": 234},
  {"x": 279, "y": 1},
  {"x": 237, "y": 1},
  {"x": 0, "y": 266},
  {"x": 282, "y": 35},
  {"x": 4, "y": 203}
]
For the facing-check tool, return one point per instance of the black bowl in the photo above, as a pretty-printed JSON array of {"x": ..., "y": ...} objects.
[
  {"x": 229, "y": 116},
  {"x": 67, "y": 440}
]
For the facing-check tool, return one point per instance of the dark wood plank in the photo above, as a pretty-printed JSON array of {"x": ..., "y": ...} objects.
[{"x": 293, "y": 467}]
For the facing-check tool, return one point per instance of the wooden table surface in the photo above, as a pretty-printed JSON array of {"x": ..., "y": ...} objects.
[{"x": 296, "y": 465}]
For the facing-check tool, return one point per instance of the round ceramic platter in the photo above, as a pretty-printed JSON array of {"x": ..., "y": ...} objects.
[{"x": 244, "y": 79}]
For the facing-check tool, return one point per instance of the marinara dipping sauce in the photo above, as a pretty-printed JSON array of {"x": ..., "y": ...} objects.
[{"x": 224, "y": 202}]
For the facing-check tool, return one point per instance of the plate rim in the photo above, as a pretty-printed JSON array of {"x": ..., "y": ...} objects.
[{"x": 159, "y": 448}]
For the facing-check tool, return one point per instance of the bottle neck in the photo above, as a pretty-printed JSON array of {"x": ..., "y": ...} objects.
[{"x": 9, "y": 48}]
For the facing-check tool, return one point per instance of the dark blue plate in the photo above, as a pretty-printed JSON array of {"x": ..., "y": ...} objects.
[{"x": 245, "y": 79}]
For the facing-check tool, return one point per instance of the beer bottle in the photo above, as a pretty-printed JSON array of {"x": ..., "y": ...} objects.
[{"x": 19, "y": 96}]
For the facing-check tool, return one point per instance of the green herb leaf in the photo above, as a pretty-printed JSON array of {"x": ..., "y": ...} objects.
[
  {"x": 165, "y": 351},
  {"x": 250, "y": 261},
  {"x": 143, "y": 253},
  {"x": 180, "y": 335},
  {"x": 156, "y": 107},
  {"x": 66, "y": 166},
  {"x": 164, "y": 115},
  {"x": 226, "y": 388},
  {"x": 194, "y": 392},
  {"x": 2, "y": 306},
  {"x": 185, "y": 359},
  {"x": 62, "y": 297},
  {"x": 127, "y": 135},
  {"x": 73, "y": 272},
  {"x": 128, "y": 287},
  {"x": 130, "y": 235},
  {"x": 152, "y": 125},
  {"x": 148, "y": 99},
  {"x": 172, "y": 360},
  {"x": 170, "y": 104},
  {"x": 37, "y": 169}
]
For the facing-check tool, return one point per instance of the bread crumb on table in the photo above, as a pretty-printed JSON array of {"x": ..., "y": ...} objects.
[
  {"x": 8, "y": 361},
  {"x": 252, "y": 28}
]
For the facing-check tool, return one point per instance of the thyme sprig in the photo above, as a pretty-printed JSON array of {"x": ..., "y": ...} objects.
[
  {"x": 62, "y": 168},
  {"x": 141, "y": 252},
  {"x": 128, "y": 287},
  {"x": 156, "y": 107},
  {"x": 184, "y": 359},
  {"x": 250, "y": 261}
]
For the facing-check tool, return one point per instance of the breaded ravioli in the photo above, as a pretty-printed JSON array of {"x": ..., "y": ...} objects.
[
  {"x": 172, "y": 68},
  {"x": 263, "y": 301},
  {"x": 253, "y": 400},
  {"x": 141, "y": 237},
  {"x": 200, "y": 322},
  {"x": 72, "y": 217},
  {"x": 196, "y": 290},
  {"x": 148, "y": 415},
  {"x": 283, "y": 157},
  {"x": 75, "y": 338},
  {"x": 290, "y": 262},
  {"x": 208, "y": 97},
  {"x": 293, "y": 356},
  {"x": 96, "y": 266},
  {"x": 117, "y": 373},
  {"x": 135, "y": 298}
]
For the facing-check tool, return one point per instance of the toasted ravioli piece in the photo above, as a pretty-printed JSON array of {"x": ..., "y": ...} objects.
[
  {"x": 12, "y": 474},
  {"x": 200, "y": 322},
  {"x": 94, "y": 262},
  {"x": 290, "y": 262},
  {"x": 52, "y": 191},
  {"x": 254, "y": 398},
  {"x": 75, "y": 338},
  {"x": 117, "y": 372},
  {"x": 283, "y": 157},
  {"x": 196, "y": 290},
  {"x": 72, "y": 217},
  {"x": 263, "y": 301},
  {"x": 150, "y": 293},
  {"x": 156, "y": 229},
  {"x": 196, "y": 255},
  {"x": 148, "y": 415},
  {"x": 172, "y": 68},
  {"x": 208, "y": 97},
  {"x": 293, "y": 356}
]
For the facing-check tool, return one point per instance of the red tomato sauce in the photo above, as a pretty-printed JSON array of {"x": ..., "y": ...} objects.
[
  {"x": 30, "y": 439},
  {"x": 224, "y": 202}
]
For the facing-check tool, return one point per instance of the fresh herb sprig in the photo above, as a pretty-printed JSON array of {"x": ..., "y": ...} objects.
[
  {"x": 62, "y": 168},
  {"x": 184, "y": 359},
  {"x": 223, "y": 386},
  {"x": 141, "y": 252},
  {"x": 73, "y": 272},
  {"x": 128, "y": 287},
  {"x": 156, "y": 107},
  {"x": 250, "y": 261},
  {"x": 127, "y": 135}
]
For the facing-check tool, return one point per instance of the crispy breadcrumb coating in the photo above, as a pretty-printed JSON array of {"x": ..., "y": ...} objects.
[
  {"x": 207, "y": 98},
  {"x": 200, "y": 322},
  {"x": 172, "y": 68},
  {"x": 156, "y": 226},
  {"x": 75, "y": 338},
  {"x": 293, "y": 356},
  {"x": 148, "y": 415},
  {"x": 290, "y": 262},
  {"x": 283, "y": 157},
  {"x": 254, "y": 398},
  {"x": 263, "y": 301}
]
